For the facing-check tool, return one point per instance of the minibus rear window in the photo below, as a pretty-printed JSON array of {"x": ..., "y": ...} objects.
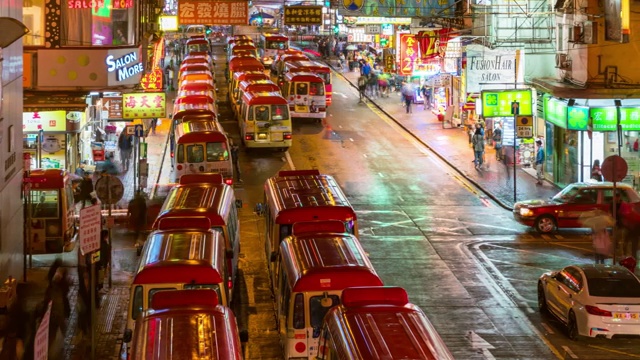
[
  {"x": 153, "y": 291},
  {"x": 318, "y": 311},
  {"x": 136, "y": 307},
  {"x": 298, "y": 312}
]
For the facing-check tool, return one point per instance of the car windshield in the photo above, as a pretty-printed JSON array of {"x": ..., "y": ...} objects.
[
  {"x": 567, "y": 194},
  {"x": 621, "y": 286}
]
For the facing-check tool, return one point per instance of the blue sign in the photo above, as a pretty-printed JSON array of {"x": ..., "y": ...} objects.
[{"x": 138, "y": 130}]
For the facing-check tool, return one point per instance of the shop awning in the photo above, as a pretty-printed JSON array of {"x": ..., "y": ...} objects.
[{"x": 58, "y": 100}]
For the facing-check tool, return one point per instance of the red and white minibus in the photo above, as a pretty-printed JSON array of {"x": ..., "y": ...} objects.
[
  {"x": 191, "y": 107},
  {"x": 265, "y": 121},
  {"x": 205, "y": 195},
  {"x": 244, "y": 63},
  {"x": 305, "y": 94},
  {"x": 186, "y": 324},
  {"x": 251, "y": 86},
  {"x": 379, "y": 323},
  {"x": 301, "y": 196},
  {"x": 196, "y": 60},
  {"x": 280, "y": 69},
  {"x": 202, "y": 146},
  {"x": 319, "y": 69},
  {"x": 202, "y": 66},
  {"x": 240, "y": 76},
  {"x": 184, "y": 253},
  {"x": 197, "y": 44},
  {"x": 271, "y": 45},
  {"x": 190, "y": 76},
  {"x": 310, "y": 272}
]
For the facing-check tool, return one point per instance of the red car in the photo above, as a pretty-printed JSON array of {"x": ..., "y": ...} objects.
[{"x": 564, "y": 209}]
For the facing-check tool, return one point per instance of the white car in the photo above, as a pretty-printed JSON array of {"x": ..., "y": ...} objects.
[{"x": 592, "y": 300}]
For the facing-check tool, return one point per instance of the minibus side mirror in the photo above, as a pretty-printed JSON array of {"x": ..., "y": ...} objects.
[
  {"x": 128, "y": 334},
  {"x": 238, "y": 203},
  {"x": 244, "y": 336}
]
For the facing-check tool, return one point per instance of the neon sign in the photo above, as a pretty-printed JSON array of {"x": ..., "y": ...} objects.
[
  {"x": 122, "y": 65},
  {"x": 99, "y": 4}
]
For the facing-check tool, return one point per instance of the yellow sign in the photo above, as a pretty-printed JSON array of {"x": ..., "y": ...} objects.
[
  {"x": 524, "y": 121},
  {"x": 144, "y": 105},
  {"x": 44, "y": 120},
  {"x": 168, "y": 23}
]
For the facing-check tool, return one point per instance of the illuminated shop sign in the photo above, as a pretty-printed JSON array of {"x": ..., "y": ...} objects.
[
  {"x": 499, "y": 103},
  {"x": 126, "y": 66},
  {"x": 99, "y": 4},
  {"x": 143, "y": 105}
]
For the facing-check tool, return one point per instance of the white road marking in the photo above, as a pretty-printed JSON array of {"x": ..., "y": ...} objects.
[
  {"x": 547, "y": 328},
  {"x": 381, "y": 175},
  {"x": 351, "y": 139},
  {"x": 400, "y": 197},
  {"x": 289, "y": 160},
  {"x": 341, "y": 94},
  {"x": 481, "y": 344},
  {"x": 365, "y": 155},
  {"x": 568, "y": 351}
]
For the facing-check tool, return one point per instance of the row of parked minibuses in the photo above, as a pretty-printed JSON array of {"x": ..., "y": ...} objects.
[
  {"x": 329, "y": 301},
  {"x": 182, "y": 289}
]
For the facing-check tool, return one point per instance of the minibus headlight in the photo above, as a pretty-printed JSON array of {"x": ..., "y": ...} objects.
[{"x": 262, "y": 136}]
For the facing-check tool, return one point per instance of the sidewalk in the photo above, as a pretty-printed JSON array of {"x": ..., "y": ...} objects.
[{"x": 452, "y": 146}]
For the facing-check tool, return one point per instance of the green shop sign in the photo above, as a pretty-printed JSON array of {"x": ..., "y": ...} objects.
[
  {"x": 604, "y": 118},
  {"x": 498, "y": 103},
  {"x": 578, "y": 118},
  {"x": 630, "y": 118},
  {"x": 555, "y": 111}
]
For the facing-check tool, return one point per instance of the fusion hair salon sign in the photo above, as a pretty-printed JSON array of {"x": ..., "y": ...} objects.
[{"x": 493, "y": 69}]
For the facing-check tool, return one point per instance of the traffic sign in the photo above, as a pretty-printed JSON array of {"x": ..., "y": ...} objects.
[
  {"x": 90, "y": 226},
  {"x": 524, "y": 131},
  {"x": 524, "y": 121},
  {"x": 95, "y": 257},
  {"x": 139, "y": 130},
  {"x": 614, "y": 168},
  {"x": 109, "y": 189}
]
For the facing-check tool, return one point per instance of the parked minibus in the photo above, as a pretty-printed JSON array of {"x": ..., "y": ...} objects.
[
  {"x": 310, "y": 272},
  {"x": 205, "y": 195},
  {"x": 188, "y": 76},
  {"x": 52, "y": 227},
  {"x": 201, "y": 96},
  {"x": 271, "y": 45},
  {"x": 196, "y": 60},
  {"x": 319, "y": 69},
  {"x": 197, "y": 86},
  {"x": 289, "y": 51},
  {"x": 196, "y": 44},
  {"x": 242, "y": 46},
  {"x": 189, "y": 107},
  {"x": 250, "y": 86},
  {"x": 183, "y": 253},
  {"x": 202, "y": 146},
  {"x": 186, "y": 324},
  {"x": 202, "y": 66},
  {"x": 244, "y": 75},
  {"x": 294, "y": 196},
  {"x": 244, "y": 63},
  {"x": 281, "y": 69},
  {"x": 305, "y": 94},
  {"x": 375, "y": 323},
  {"x": 265, "y": 121}
]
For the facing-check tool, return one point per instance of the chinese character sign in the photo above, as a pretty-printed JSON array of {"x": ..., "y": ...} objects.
[
  {"x": 408, "y": 53},
  {"x": 90, "y": 227},
  {"x": 202, "y": 12},
  {"x": 143, "y": 105},
  {"x": 44, "y": 120},
  {"x": 303, "y": 15},
  {"x": 41, "y": 345},
  {"x": 152, "y": 80}
]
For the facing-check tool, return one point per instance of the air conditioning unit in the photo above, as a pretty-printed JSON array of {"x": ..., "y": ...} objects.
[
  {"x": 590, "y": 32},
  {"x": 563, "y": 62}
]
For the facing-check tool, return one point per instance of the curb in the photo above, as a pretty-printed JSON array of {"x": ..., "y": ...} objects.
[{"x": 426, "y": 144}]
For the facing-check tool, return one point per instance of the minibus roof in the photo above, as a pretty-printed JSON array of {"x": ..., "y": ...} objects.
[
  {"x": 326, "y": 261},
  {"x": 382, "y": 323},
  {"x": 194, "y": 98},
  {"x": 250, "y": 75},
  {"x": 302, "y": 196},
  {"x": 182, "y": 256},
  {"x": 42, "y": 179},
  {"x": 189, "y": 126},
  {"x": 264, "y": 98},
  {"x": 303, "y": 76},
  {"x": 259, "y": 86},
  {"x": 214, "y": 201}
]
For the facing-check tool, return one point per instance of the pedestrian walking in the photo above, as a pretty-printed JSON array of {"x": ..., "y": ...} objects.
[
  {"x": 407, "y": 95},
  {"x": 478, "y": 148},
  {"x": 362, "y": 87},
  {"x": 497, "y": 141},
  {"x": 373, "y": 84},
  {"x": 125, "y": 144},
  {"x": 596, "y": 171},
  {"x": 137, "y": 214},
  {"x": 154, "y": 123},
  {"x": 234, "y": 158},
  {"x": 86, "y": 189},
  {"x": 539, "y": 162},
  {"x": 602, "y": 244},
  {"x": 80, "y": 169}
]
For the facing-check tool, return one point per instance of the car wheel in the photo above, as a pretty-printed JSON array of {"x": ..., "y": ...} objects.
[
  {"x": 572, "y": 327},
  {"x": 545, "y": 224},
  {"x": 542, "y": 300}
]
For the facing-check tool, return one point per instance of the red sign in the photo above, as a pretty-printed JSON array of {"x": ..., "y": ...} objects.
[
  {"x": 203, "y": 12},
  {"x": 408, "y": 53},
  {"x": 90, "y": 227},
  {"x": 41, "y": 346},
  {"x": 433, "y": 42},
  {"x": 152, "y": 80}
]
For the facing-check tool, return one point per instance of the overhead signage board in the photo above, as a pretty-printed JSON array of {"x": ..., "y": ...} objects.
[
  {"x": 113, "y": 106},
  {"x": 499, "y": 103},
  {"x": 555, "y": 111},
  {"x": 578, "y": 118},
  {"x": 603, "y": 118},
  {"x": 303, "y": 15},
  {"x": 143, "y": 105},
  {"x": 408, "y": 53},
  {"x": 372, "y": 29},
  {"x": 492, "y": 68},
  {"x": 47, "y": 121},
  {"x": 168, "y": 23},
  {"x": 407, "y": 9},
  {"x": 630, "y": 118},
  {"x": 220, "y": 12}
]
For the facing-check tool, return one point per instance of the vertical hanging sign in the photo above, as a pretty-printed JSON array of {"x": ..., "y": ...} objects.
[{"x": 408, "y": 53}]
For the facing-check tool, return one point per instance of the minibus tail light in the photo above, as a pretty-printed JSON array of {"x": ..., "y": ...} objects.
[
  {"x": 230, "y": 284},
  {"x": 248, "y": 136},
  {"x": 287, "y": 136},
  {"x": 173, "y": 154},
  {"x": 229, "y": 181}
]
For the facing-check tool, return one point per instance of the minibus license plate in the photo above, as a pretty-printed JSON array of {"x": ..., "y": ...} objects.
[
  {"x": 276, "y": 136},
  {"x": 301, "y": 108}
]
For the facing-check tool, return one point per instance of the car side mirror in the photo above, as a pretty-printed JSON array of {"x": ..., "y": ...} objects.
[{"x": 128, "y": 334}]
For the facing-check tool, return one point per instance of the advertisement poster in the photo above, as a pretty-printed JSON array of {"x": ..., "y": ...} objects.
[
  {"x": 143, "y": 105},
  {"x": 53, "y": 151},
  {"x": 202, "y": 12}
]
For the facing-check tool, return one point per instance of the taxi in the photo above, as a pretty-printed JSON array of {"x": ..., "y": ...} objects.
[{"x": 564, "y": 210}]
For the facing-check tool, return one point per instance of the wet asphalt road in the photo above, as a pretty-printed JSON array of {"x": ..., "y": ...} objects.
[{"x": 462, "y": 258}]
